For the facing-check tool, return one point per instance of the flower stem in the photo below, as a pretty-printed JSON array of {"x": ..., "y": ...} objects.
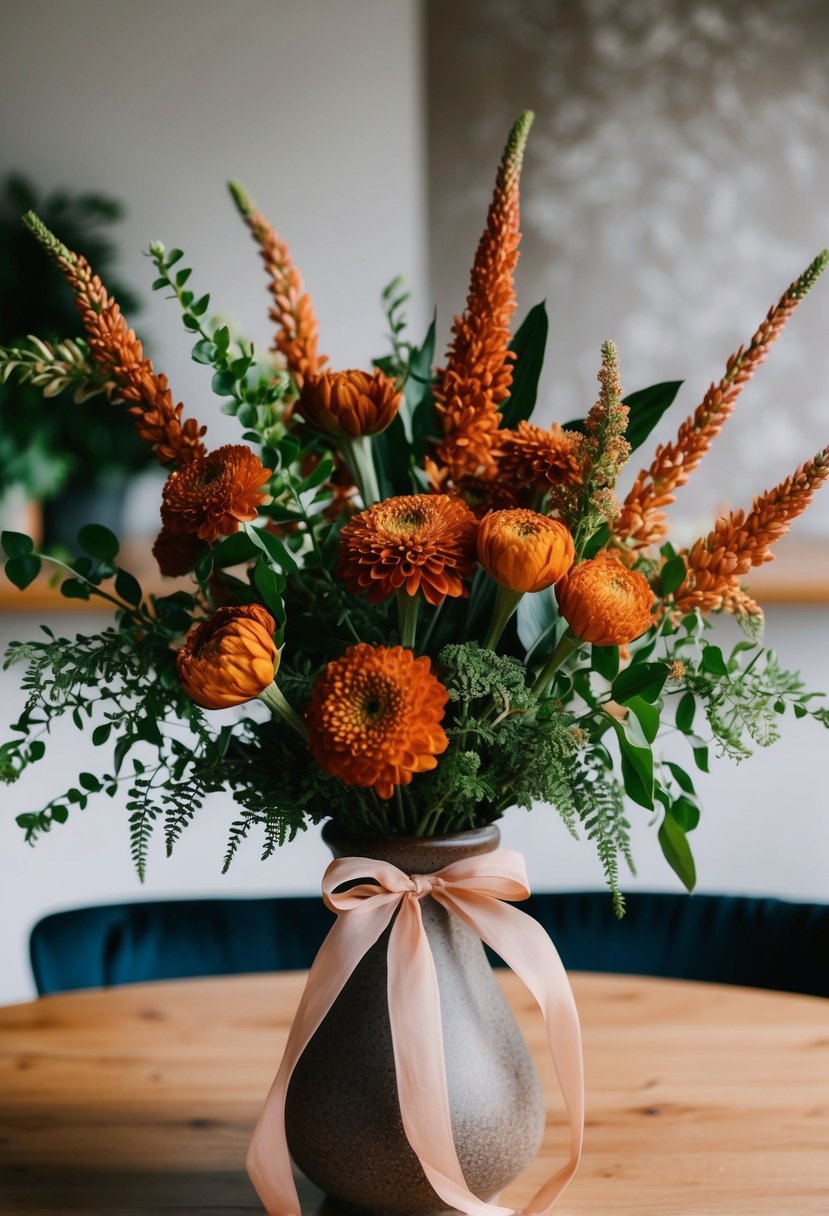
[
  {"x": 568, "y": 642},
  {"x": 506, "y": 602},
  {"x": 275, "y": 701},
  {"x": 407, "y": 606},
  {"x": 359, "y": 460}
]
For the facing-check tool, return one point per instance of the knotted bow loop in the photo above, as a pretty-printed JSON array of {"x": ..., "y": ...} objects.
[{"x": 473, "y": 889}]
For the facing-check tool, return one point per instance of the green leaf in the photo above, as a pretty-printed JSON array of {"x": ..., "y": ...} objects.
[
  {"x": 677, "y": 851},
  {"x": 75, "y": 589},
  {"x": 128, "y": 587},
  {"x": 528, "y": 345},
  {"x": 643, "y": 680},
  {"x": 23, "y": 570},
  {"x": 89, "y": 782},
  {"x": 37, "y": 750},
  {"x": 637, "y": 759},
  {"x": 273, "y": 547},
  {"x": 173, "y": 256},
  {"x": 420, "y": 404},
  {"x": 182, "y": 276},
  {"x": 647, "y": 406},
  {"x": 16, "y": 544},
  {"x": 672, "y": 575},
  {"x": 270, "y": 586},
  {"x": 605, "y": 661},
  {"x": 701, "y": 757},
  {"x": 224, "y": 385},
  {"x": 685, "y": 813},
  {"x": 536, "y": 618},
  {"x": 647, "y": 715},
  {"x": 101, "y": 733},
  {"x": 713, "y": 661},
  {"x": 320, "y": 474},
  {"x": 204, "y": 351},
  {"x": 98, "y": 541},
  {"x": 60, "y": 814},
  {"x": 685, "y": 711}
]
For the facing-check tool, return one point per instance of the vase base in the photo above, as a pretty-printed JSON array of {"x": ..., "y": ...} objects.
[{"x": 333, "y": 1207}]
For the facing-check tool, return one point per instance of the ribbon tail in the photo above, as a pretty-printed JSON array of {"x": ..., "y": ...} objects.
[
  {"x": 420, "y": 1066},
  {"x": 527, "y": 950},
  {"x": 268, "y": 1160}
]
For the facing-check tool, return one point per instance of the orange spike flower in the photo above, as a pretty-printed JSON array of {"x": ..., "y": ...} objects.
[
  {"x": 739, "y": 541},
  {"x": 374, "y": 718},
  {"x": 420, "y": 542},
  {"x": 642, "y": 519},
  {"x": 297, "y": 335},
  {"x": 349, "y": 403},
  {"x": 229, "y": 659},
  {"x": 212, "y": 495},
  {"x": 604, "y": 602},
  {"x": 524, "y": 551},
  {"x": 118, "y": 353},
  {"x": 478, "y": 373}
]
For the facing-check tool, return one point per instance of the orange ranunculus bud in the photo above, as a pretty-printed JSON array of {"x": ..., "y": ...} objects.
[
  {"x": 349, "y": 403},
  {"x": 229, "y": 659},
  {"x": 524, "y": 551},
  {"x": 604, "y": 602}
]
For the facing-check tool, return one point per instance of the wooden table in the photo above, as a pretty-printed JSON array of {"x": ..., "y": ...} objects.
[{"x": 702, "y": 1099}]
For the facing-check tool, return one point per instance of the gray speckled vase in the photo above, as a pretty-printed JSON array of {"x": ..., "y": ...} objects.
[{"x": 343, "y": 1120}]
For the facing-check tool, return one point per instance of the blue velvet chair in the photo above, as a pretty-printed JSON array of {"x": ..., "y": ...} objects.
[{"x": 764, "y": 943}]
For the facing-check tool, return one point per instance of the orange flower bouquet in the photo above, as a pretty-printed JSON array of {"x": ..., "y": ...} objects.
[{"x": 426, "y": 607}]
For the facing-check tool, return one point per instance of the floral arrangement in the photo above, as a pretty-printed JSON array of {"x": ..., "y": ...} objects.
[{"x": 429, "y": 608}]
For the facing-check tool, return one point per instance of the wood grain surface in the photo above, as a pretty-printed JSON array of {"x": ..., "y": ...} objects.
[{"x": 703, "y": 1100}]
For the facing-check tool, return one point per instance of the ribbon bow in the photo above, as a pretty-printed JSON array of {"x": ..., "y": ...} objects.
[{"x": 474, "y": 890}]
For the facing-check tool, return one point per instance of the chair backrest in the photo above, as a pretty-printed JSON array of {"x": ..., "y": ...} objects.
[{"x": 763, "y": 943}]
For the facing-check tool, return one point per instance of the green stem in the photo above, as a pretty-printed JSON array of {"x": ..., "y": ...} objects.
[
  {"x": 428, "y": 635},
  {"x": 275, "y": 700},
  {"x": 407, "y": 606},
  {"x": 568, "y": 642},
  {"x": 506, "y": 602},
  {"x": 359, "y": 460},
  {"x": 130, "y": 610}
]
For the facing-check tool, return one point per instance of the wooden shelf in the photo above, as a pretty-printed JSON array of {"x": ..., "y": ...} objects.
[
  {"x": 799, "y": 574},
  {"x": 43, "y": 595}
]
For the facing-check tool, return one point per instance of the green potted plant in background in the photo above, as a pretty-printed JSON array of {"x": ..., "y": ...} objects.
[{"x": 74, "y": 462}]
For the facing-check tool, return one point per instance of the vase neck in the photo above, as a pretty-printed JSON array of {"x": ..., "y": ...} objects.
[{"x": 414, "y": 854}]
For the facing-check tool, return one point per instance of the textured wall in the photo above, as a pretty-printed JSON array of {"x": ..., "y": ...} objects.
[{"x": 676, "y": 181}]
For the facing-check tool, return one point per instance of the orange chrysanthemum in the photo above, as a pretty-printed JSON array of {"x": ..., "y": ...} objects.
[
  {"x": 642, "y": 519},
  {"x": 350, "y": 403},
  {"x": 177, "y": 552},
  {"x": 119, "y": 355},
  {"x": 604, "y": 602},
  {"x": 478, "y": 373},
  {"x": 524, "y": 551},
  {"x": 229, "y": 659},
  {"x": 297, "y": 334},
  {"x": 214, "y": 494},
  {"x": 551, "y": 460},
  {"x": 422, "y": 542},
  {"x": 374, "y": 717}
]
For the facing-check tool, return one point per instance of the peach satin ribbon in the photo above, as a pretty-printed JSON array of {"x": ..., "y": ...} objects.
[{"x": 474, "y": 890}]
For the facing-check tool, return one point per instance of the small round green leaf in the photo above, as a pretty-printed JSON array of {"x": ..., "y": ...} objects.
[{"x": 98, "y": 541}]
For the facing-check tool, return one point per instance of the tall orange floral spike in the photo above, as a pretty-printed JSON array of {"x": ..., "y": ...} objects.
[
  {"x": 297, "y": 334},
  {"x": 739, "y": 541},
  {"x": 119, "y": 354},
  {"x": 642, "y": 520},
  {"x": 478, "y": 373}
]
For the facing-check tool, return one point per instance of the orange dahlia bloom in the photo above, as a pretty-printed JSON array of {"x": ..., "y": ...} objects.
[
  {"x": 551, "y": 460},
  {"x": 524, "y": 551},
  {"x": 374, "y": 717},
  {"x": 229, "y": 659},
  {"x": 177, "y": 552},
  {"x": 604, "y": 602},
  {"x": 211, "y": 496},
  {"x": 423, "y": 542},
  {"x": 349, "y": 403}
]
